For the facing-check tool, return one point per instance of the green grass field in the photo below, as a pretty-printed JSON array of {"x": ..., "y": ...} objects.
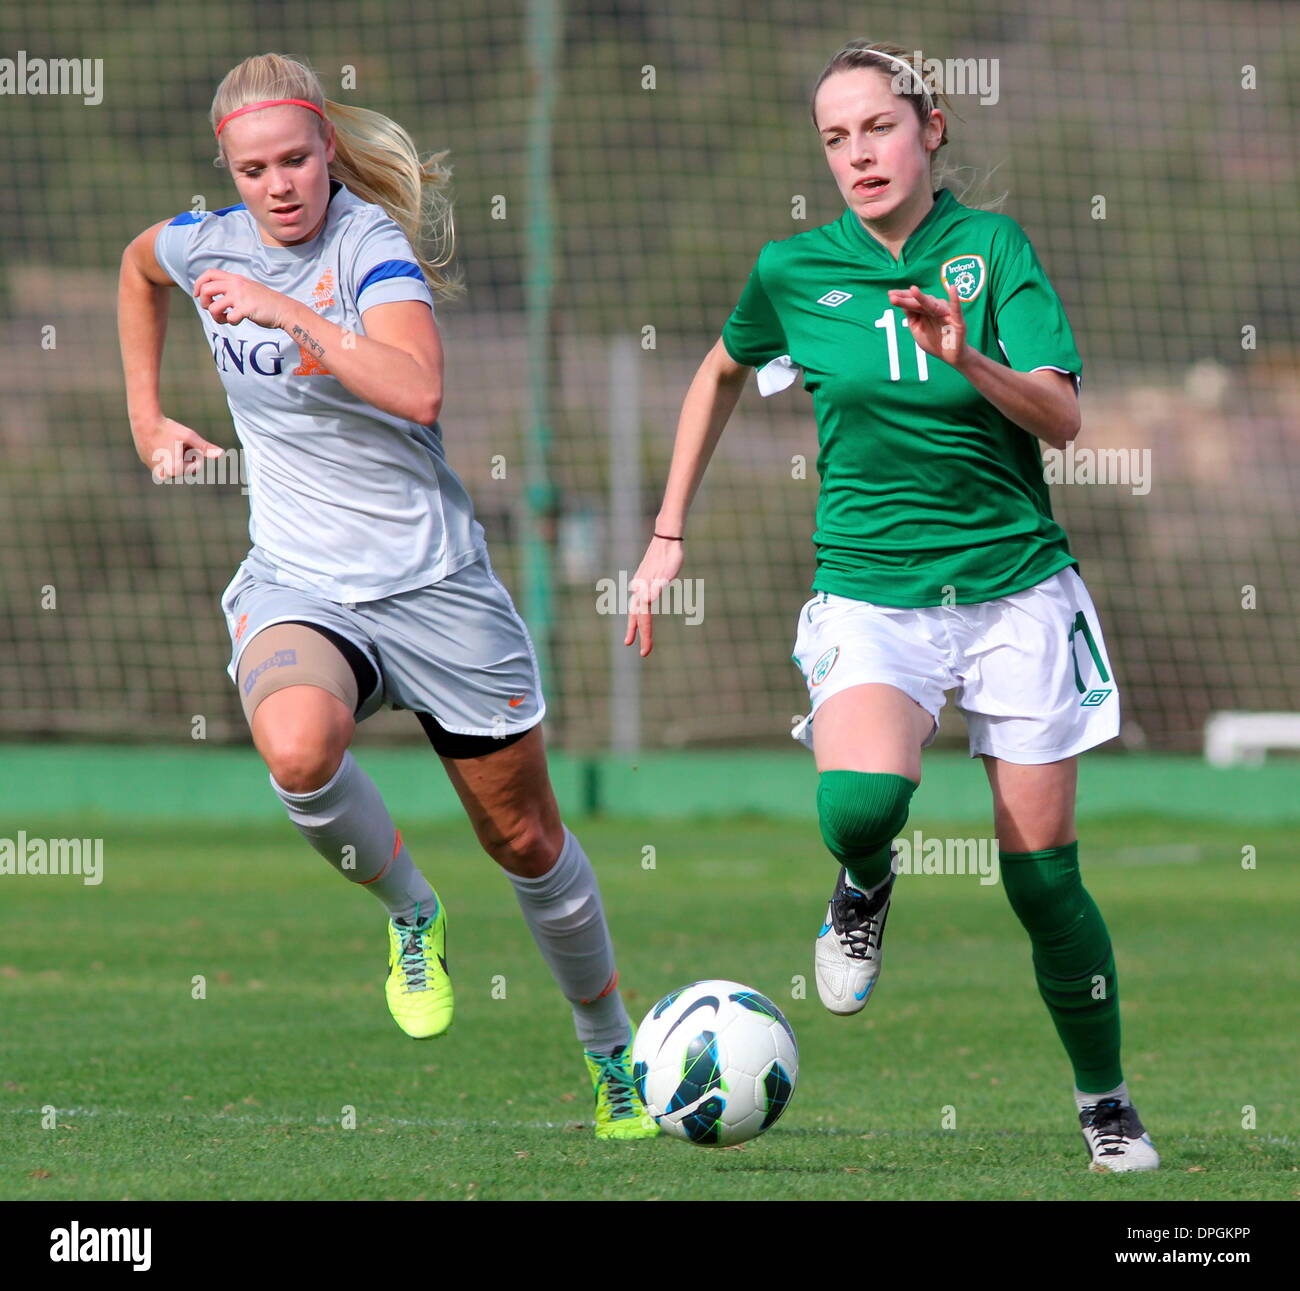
[{"x": 242, "y": 1094}]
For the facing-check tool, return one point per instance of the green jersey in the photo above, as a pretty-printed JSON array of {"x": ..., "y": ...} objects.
[{"x": 929, "y": 495}]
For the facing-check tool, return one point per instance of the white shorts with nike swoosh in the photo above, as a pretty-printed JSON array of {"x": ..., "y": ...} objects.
[{"x": 1030, "y": 670}]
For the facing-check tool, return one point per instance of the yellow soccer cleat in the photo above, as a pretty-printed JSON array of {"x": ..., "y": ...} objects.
[
  {"x": 418, "y": 988},
  {"x": 620, "y": 1113}
]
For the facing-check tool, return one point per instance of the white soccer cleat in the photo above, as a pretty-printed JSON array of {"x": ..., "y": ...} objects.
[
  {"x": 848, "y": 952},
  {"x": 1115, "y": 1138}
]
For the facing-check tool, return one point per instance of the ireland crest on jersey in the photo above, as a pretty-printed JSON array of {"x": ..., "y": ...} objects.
[{"x": 967, "y": 274}]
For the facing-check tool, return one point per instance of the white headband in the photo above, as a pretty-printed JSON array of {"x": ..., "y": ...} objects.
[{"x": 880, "y": 53}]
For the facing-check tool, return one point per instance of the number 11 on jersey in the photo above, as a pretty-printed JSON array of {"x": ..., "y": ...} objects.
[{"x": 889, "y": 323}]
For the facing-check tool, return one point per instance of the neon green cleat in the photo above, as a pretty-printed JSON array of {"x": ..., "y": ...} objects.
[
  {"x": 418, "y": 988},
  {"x": 620, "y": 1113}
]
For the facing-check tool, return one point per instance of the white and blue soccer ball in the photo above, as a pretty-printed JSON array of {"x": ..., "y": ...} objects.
[{"x": 715, "y": 1063}]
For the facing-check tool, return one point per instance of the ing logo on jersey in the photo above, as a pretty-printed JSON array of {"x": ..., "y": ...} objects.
[{"x": 967, "y": 274}]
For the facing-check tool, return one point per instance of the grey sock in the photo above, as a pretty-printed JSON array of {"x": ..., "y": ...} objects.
[
  {"x": 346, "y": 821},
  {"x": 563, "y": 911}
]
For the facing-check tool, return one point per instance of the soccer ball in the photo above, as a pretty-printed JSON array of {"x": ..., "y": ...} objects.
[{"x": 715, "y": 1063}]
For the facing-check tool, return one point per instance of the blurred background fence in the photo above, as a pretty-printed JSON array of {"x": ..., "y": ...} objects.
[{"x": 680, "y": 139}]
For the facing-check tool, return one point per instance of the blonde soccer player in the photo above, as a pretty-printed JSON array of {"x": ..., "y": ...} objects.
[
  {"x": 368, "y": 583},
  {"x": 938, "y": 358}
]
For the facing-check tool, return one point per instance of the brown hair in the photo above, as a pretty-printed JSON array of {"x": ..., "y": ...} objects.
[
  {"x": 374, "y": 158},
  {"x": 875, "y": 55}
]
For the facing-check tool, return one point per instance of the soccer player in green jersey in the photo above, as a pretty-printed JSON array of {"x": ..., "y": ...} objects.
[{"x": 938, "y": 356}]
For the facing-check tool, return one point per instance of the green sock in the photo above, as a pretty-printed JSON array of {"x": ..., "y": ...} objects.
[
  {"x": 870, "y": 872},
  {"x": 1074, "y": 965},
  {"x": 845, "y": 799}
]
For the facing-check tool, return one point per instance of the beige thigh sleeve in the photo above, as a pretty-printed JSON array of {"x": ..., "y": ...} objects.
[{"x": 292, "y": 654}]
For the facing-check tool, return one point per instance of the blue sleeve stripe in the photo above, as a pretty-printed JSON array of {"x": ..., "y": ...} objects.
[
  {"x": 193, "y": 217},
  {"x": 391, "y": 269}
]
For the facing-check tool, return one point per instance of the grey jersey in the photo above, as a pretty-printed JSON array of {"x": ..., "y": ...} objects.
[{"x": 345, "y": 500}]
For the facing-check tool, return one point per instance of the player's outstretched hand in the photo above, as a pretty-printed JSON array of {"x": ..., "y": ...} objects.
[
  {"x": 660, "y": 565},
  {"x": 230, "y": 298},
  {"x": 937, "y": 326},
  {"x": 168, "y": 448}
]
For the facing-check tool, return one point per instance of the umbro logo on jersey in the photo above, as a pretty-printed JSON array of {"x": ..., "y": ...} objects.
[
  {"x": 1093, "y": 698},
  {"x": 834, "y": 298}
]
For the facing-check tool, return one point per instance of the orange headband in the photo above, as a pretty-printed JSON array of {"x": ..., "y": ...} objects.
[{"x": 268, "y": 103}]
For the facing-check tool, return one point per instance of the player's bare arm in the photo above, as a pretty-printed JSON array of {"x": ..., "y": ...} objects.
[
  {"x": 397, "y": 365},
  {"x": 164, "y": 445},
  {"x": 1043, "y": 402},
  {"x": 706, "y": 409}
]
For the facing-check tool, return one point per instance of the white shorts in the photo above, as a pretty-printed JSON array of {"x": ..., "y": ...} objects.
[{"x": 1031, "y": 672}]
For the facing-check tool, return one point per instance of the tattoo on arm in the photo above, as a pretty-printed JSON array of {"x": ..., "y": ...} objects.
[{"x": 308, "y": 342}]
